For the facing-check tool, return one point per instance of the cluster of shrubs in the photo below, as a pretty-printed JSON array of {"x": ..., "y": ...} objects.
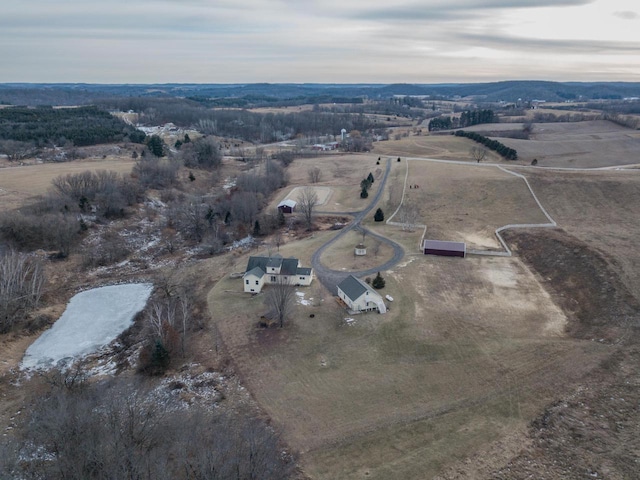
[
  {"x": 365, "y": 185},
  {"x": 500, "y": 148}
]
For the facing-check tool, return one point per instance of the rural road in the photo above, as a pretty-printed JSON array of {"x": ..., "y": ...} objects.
[{"x": 331, "y": 278}]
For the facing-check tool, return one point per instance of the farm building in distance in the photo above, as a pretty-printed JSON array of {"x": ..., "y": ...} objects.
[
  {"x": 445, "y": 249},
  {"x": 270, "y": 270},
  {"x": 287, "y": 206},
  {"x": 359, "y": 297}
]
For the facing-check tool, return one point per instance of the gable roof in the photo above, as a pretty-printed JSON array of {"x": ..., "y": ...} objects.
[
  {"x": 353, "y": 287},
  {"x": 287, "y": 202},
  {"x": 444, "y": 245},
  {"x": 289, "y": 266},
  {"x": 303, "y": 271},
  {"x": 257, "y": 271}
]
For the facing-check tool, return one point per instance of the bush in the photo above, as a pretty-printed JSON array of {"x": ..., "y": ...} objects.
[{"x": 156, "y": 173}]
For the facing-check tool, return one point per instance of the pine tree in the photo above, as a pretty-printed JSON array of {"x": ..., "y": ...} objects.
[
  {"x": 378, "y": 282},
  {"x": 370, "y": 178},
  {"x": 379, "y": 215},
  {"x": 364, "y": 193}
]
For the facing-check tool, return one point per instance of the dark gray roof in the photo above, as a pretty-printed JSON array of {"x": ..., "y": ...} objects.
[
  {"x": 353, "y": 287},
  {"x": 274, "y": 262},
  {"x": 257, "y": 271},
  {"x": 303, "y": 271},
  {"x": 257, "y": 262},
  {"x": 442, "y": 245},
  {"x": 289, "y": 266}
]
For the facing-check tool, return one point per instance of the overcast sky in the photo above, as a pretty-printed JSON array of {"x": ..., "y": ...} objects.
[{"x": 328, "y": 41}]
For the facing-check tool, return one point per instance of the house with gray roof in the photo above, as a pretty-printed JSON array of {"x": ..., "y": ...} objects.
[
  {"x": 262, "y": 271},
  {"x": 358, "y": 296}
]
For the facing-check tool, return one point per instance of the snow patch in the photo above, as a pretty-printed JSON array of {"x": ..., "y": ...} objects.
[
  {"x": 301, "y": 300},
  {"x": 92, "y": 319}
]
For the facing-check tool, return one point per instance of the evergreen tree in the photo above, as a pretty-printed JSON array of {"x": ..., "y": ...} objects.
[
  {"x": 156, "y": 145},
  {"x": 379, "y": 215},
  {"x": 160, "y": 357},
  {"x": 256, "y": 229},
  {"x": 192, "y": 177},
  {"x": 364, "y": 193},
  {"x": 370, "y": 178},
  {"x": 378, "y": 282}
]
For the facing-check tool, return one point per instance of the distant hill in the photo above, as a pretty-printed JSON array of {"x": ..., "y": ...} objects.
[{"x": 509, "y": 91}]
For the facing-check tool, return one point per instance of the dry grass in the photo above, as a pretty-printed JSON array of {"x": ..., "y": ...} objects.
[
  {"x": 403, "y": 394},
  {"x": 444, "y": 147},
  {"x": 18, "y": 184},
  {"x": 579, "y": 144},
  {"x": 341, "y": 255},
  {"x": 342, "y": 173},
  {"x": 467, "y": 203}
]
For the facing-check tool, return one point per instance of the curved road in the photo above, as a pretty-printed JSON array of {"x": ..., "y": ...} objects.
[{"x": 331, "y": 278}]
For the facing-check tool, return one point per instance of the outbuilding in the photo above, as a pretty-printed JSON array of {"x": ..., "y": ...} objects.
[
  {"x": 359, "y": 297},
  {"x": 287, "y": 205},
  {"x": 444, "y": 248}
]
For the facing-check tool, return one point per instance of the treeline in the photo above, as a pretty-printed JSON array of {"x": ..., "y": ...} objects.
[
  {"x": 466, "y": 119},
  {"x": 257, "y": 101},
  {"x": 82, "y": 126},
  {"x": 496, "y": 146},
  {"x": 242, "y": 124},
  {"x": 114, "y": 428}
]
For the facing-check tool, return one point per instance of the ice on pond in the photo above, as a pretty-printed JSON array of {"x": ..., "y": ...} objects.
[{"x": 92, "y": 319}]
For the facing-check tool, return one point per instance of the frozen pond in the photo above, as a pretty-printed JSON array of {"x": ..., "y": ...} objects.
[{"x": 91, "y": 320}]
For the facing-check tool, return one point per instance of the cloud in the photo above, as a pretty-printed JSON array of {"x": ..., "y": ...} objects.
[
  {"x": 557, "y": 46},
  {"x": 626, "y": 15},
  {"x": 458, "y": 10}
]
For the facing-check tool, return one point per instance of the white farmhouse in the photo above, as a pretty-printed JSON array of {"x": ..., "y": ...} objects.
[
  {"x": 358, "y": 296},
  {"x": 262, "y": 271}
]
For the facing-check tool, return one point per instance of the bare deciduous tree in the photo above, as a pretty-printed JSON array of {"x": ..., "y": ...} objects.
[
  {"x": 280, "y": 298},
  {"x": 307, "y": 200},
  {"x": 315, "y": 174},
  {"x": 478, "y": 153},
  {"x": 22, "y": 282}
]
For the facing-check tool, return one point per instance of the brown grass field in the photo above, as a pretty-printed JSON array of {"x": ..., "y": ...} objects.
[
  {"x": 471, "y": 350},
  {"x": 449, "y": 382},
  {"x": 20, "y": 183},
  {"x": 467, "y": 203},
  {"x": 589, "y": 144},
  {"x": 444, "y": 147}
]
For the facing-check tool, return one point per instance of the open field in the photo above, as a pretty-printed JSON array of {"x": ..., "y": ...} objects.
[
  {"x": 444, "y": 147},
  {"x": 588, "y": 144},
  {"x": 578, "y": 144},
  {"x": 342, "y": 173},
  {"x": 472, "y": 350},
  {"x": 463, "y": 355},
  {"x": 600, "y": 208},
  {"x": 18, "y": 184},
  {"x": 467, "y": 203}
]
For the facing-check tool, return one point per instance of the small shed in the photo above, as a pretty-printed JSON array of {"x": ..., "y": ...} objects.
[
  {"x": 443, "y": 248},
  {"x": 287, "y": 205}
]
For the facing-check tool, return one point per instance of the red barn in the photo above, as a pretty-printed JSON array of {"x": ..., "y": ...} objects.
[{"x": 446, "y": 249}]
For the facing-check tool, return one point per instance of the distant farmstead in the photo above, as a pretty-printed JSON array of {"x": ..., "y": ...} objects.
[
  {"x": 262, "y": 271},
  {"x": 444, "y": 249},
  {"x": 287, "y": 206},
  {"x": 359, "y": 297}
]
